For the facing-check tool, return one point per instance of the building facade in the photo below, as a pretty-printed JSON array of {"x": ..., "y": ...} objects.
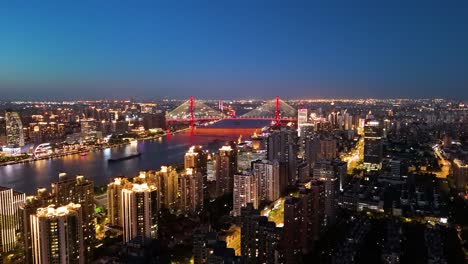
[{"x": 57, "y": 235}]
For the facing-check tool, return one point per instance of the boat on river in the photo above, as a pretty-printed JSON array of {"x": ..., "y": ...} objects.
[{"x": 131, "y": 156}]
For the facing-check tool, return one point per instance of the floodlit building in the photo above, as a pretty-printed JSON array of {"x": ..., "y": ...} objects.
[
  {"x": 57, "y": 235},
  {"x": 269, "y": 181},
  {"x": 373, "y": 145},
  {"x": 225, "y": 168},
  {"x": 10, "y": 224},
  {"x": 167, "y": 183},
  {"x": 191, "y": 189},
  {"x": 114, "y": 200},
  {"x": 78, "y": 190},
  {"x": 139, "y": 211},
  {"x": 245, "y": 191},
  {"x": 14, "y": 130},
  {"x": 196, "y": 158}
]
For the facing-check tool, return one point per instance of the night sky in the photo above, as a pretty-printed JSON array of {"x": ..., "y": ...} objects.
[{"x": 233, "y": 49}]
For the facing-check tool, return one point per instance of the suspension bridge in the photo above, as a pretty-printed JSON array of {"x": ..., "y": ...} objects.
[{"x": 193, "y": 111}]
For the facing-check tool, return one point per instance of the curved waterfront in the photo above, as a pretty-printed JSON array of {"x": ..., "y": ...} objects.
[{"x": 28, "y": 177}]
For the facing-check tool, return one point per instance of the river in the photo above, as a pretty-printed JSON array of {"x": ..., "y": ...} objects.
[{"x": 163, "y": 151}]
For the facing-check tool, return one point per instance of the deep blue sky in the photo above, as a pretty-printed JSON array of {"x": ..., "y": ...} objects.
[{"x": 233, "y": 49}]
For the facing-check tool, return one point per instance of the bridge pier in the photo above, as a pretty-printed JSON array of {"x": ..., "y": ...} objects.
[{"x": 277, "y": 111}]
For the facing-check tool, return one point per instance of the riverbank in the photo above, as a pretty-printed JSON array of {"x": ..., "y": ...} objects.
[{"x": 88, "y": 150}]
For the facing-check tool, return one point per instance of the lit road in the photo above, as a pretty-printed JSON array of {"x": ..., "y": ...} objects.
[
  {"x": 275, "y": 212},
  {"x": 355, "y": 156},
  {"x": 444, "y": 164}
]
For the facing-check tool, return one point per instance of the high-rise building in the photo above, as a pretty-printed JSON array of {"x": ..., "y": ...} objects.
[
  {"x": 391, "y": 169},
  {"x": 10, "y": 215},
  {"x": 259, "y": 237},
  {"x": 29, "y": 208},
  {"x": 3, "y": 138},
  {"x": 191, "y": 189},
  {"x": 225, "y": 168},
  {"x": 319, "y": 148},
  {"x": 78, "y": 190},
  {"x": 211, "y": 170},
  {"x": 114, "y": 200},
  {"x": 303, "y": 172},
  {"x": 302, "y": 120},
  {"x": 327, "y": 173},
  {"x": 303, "y": 220},
  {"x": 460, "y": 174},
  {"x": 57, "y": 235},
  {"x": 269, "y": 181},
  {"x": 139, "y": 211},
  {"x": 327, "y": 148},
  {"x": 154, "y": 120},
  {"x": 246, "y": 155},
  {"x": 245, "y": 191},
  {"x": 312, "y": 208},
  {"x": 168, "y": 186},
  {"x": 208, "y": 249},
  {"x": 311, "y": 150},
  {"x": 196, "y": 158},
  {"x": 373, "y": 145},
  {"x": 14, "y": 130},
  {"x": 291, "y": 240},
  {"x": 202, "y": 238},
  {"x": 282, "y": 146}
]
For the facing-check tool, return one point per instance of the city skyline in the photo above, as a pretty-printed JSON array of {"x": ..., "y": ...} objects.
[
  {"x": 233, "y": 132},
  {"x": 219, "y": 50}
]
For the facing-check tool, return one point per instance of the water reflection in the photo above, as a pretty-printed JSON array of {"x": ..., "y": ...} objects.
[{"x": 29, "y": 176}]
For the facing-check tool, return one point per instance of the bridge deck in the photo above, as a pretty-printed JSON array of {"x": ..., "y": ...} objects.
[{"x": 229, "y": 118}]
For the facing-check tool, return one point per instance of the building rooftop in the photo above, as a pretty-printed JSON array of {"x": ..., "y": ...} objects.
[{"x": 51, "y": 211}]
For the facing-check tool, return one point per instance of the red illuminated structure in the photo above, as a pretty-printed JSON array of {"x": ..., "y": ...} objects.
[
  {"x": 192, "y": 119},
  {"x": 192, "y": 114},
  {"x": 277, "y": 111}
]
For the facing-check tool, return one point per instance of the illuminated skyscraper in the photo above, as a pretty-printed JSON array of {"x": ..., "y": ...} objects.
[
  {"x": 225, "y": 168},
  {"x": 196, "y": 158},
  {"x": 245, "y": 191},
  {"x": 29, "y": 208},
  {"x": 10, "y": 224},
  {"x": 139, "y": 211},
  {"x": 302, "y": 116},
  {"x": 114, "y": 200},
  {"x": 302, "y": 120},
  {"x": 373, "y": 145},
  {"x": 14, "y": 130},
  {"x": 168, "y": 187},
  {"x": 269, "y": 181},
  {"x": 78, "y": 190},
  {"x": 57, "y": 235},
  {"x": 191, "y": 188}
]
